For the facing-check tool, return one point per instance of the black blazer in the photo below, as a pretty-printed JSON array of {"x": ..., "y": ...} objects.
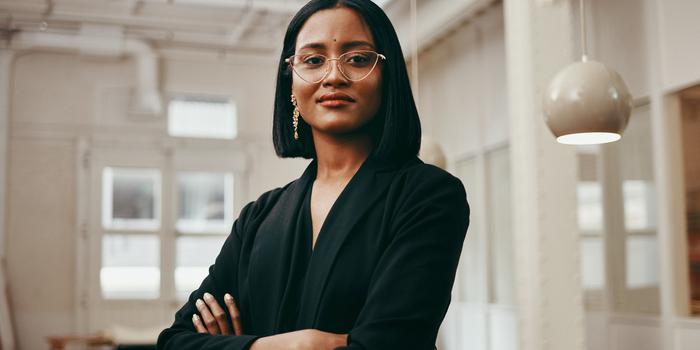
[{"x": 382, "y": 269}]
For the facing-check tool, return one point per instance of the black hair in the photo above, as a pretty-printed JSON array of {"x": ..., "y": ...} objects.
[{"x": 395, "y": 130}]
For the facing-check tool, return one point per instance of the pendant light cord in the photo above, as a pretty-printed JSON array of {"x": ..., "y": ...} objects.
[{"x": 584, "y": 35}]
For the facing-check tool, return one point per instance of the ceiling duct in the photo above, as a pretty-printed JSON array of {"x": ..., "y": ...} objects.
[{"x": 105, "y": 41}]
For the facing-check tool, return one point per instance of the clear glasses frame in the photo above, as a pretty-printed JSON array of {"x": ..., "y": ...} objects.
[{"x": 326, "y": 65}]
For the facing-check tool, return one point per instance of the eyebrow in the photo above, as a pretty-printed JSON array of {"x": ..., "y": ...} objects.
[{"x": 345, "y": 46}]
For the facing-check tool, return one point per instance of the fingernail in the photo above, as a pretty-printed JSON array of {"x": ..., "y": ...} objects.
[
  {"x": 200, "y": 303},
  {"x": 228, "y": 297},
  {"x": 195, "y": 317},
  {"x": 208, "y": 296}
]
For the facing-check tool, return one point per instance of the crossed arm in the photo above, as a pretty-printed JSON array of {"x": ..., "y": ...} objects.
[
  {"x": 407, "y": 300},
  {"x": 215, "y": 321}
]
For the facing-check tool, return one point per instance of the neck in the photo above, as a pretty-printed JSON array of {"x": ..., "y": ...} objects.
[{"x": 339, "y": 157}]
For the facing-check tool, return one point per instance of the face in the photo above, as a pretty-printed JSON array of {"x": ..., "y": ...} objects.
[{"x": 332, "y": 33}]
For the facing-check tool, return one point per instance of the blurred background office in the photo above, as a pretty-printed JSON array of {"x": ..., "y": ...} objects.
[{"x": 133, "y": 131}]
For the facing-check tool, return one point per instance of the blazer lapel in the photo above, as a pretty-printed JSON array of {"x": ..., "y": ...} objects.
[
  {"x": 366, "y": 186},
  {"x": 272, "y": 253}
]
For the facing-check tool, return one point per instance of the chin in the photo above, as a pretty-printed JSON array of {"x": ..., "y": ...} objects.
[
  {"x": 339, "y": 129},
  {"x": 340, "y": 122},
  {"x": 344, "y": 129},
  {"x": 337, "y": 121}
]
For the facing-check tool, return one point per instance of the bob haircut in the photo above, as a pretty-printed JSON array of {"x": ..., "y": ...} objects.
[{"x": 395, "y": 130}]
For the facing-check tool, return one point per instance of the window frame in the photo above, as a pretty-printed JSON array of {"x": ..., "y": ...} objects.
[
  {"x": 169, "y": 155},
  {"x": 480, "y": 203},
  {"x": 616, "y": 295}
]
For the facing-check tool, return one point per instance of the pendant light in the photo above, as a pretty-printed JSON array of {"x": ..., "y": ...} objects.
[{"x": 587, "y": 103}]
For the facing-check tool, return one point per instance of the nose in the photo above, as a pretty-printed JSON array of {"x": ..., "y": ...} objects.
[{"x": 335, "y": 77}]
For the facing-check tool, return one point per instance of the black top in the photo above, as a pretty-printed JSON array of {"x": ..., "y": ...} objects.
[{"x": 382, "y": 269}]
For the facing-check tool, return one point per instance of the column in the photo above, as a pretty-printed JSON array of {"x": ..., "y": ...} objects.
[{"x": 539, "y": 42}]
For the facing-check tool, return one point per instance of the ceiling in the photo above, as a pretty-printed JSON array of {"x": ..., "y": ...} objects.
[{"x": 247, "y": 26}]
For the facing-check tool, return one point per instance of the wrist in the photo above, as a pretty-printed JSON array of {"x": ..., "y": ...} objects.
[
  {"x": 271, "y": 342},
  {"x": 257, "y": 344}
]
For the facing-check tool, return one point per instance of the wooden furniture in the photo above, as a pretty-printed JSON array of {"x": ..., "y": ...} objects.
[
  {"x": 7, "y": 336},
  {"x": 694, "y": 270},
  {"x": 60, "y": 342}
]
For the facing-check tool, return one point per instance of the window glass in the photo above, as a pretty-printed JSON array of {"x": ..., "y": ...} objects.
[
  {"x": 499, "y": 221},
  {"x": 642, "y": 262},
  {"x": 592, "y": 263},
  {"x": 470, "y": 270},
  {"x": 205, "y": 202},
  {"x": 131, "y": 198},
  {"x": 202, "y": 117},
  {"x": 130, "y": 267},
  {"x": 194, "y": 255}
]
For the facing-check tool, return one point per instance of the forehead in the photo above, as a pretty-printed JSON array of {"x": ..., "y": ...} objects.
[{"x": 334, "y": 26}]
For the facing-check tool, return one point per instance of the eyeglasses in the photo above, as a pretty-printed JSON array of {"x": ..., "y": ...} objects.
[{"x": 353, "y": 65}]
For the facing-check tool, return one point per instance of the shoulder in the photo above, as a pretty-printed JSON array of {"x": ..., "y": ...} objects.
[
  {"x": 422, "y": 193},
  {"x": 417, "y": 187},
  {"x": 266, "y": 200},
  {"x": 258, "y": 209}
]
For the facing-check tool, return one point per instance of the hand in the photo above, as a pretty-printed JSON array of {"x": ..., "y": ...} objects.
[
  {"x": 214, "y": 320},
  {"x": 307, "y": 339}
]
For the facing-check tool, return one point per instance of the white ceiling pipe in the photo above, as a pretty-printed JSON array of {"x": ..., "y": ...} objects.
[
  {"x": 269, "y": 6},
  {"x": 147, "y": 99},
  {"x": 276, "y": 7}
]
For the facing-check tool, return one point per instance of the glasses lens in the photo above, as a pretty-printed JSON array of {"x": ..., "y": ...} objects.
[
  {"x": 358, "y": 64},
  {"x": 355, "y": 65},
  {"x": 311, "y": 67}
]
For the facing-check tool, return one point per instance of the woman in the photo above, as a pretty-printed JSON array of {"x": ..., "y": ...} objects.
[{"x": 360, "y": 252}]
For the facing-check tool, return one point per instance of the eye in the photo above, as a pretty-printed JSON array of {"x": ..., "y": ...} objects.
[
  {"x": 358, "y": 59},
  {"x": 313, "y": 60}
]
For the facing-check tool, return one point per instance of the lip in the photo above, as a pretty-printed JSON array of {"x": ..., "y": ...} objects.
[
  {"x": 335, "y": 103},
  {"x": 335, "y": 99}
]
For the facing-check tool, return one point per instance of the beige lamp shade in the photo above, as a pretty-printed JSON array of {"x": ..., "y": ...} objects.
[{"x": 587, "y": 103}]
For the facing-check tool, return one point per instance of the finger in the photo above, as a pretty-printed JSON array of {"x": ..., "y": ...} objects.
[
  {"x": 218, "y": 313},
  {"x": 208, "y": 318},
  {"x": 198, "y": 324},
  {"x": 235, "y": 314}
]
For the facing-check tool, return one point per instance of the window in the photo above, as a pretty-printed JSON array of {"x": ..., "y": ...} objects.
[
  {"x": 130, "y": 266},
  {"x": 154, "y": 216},
  {"x": 638, "y": 202},
  {"x": 500, "y": 230},
  {"x": 485, "y": 274},
  {"x": 590, "y": 220},
  {"x": 470, "y": 273},
  {"x": 194, "y": 255},
  {"x": 130, "y": 199},
  {"x": 617, "y": 221},
  {"x": 205, "y": 202},
  {"x": 202, "y": 117},
  {"x": 205, "y": 216}
]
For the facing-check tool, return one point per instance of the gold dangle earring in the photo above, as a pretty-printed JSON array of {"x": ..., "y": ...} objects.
[{"x": 295, "y": 117}]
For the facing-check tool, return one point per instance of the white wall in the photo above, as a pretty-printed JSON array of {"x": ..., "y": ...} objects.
[
  {"x": 618, "y": 37},
  {"x": 59, "y": 97},
  {"x": 678, "y": 33},
  {"x": 463, "y": 87}
]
